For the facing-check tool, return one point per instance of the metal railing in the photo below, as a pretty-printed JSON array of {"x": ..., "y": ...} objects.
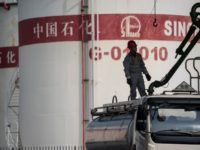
[
  {"x": 197, "y": 75},
  {"x": 44, "y": 148}
]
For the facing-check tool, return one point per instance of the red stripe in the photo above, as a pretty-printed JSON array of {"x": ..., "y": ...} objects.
[
  {"x": 140, "y": 26},
  {"x": 111, "y": 27},
  {"x": 9, "y": 57},
  {"x": 50, "y": 29}
]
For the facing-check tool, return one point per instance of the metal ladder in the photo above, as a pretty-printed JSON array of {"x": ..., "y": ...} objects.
[
  {"x": 195, "y": 77},
  {"x": 12, "y": 120}
]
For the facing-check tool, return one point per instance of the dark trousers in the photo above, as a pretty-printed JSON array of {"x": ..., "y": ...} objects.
[{"x": 137, "y": 82}]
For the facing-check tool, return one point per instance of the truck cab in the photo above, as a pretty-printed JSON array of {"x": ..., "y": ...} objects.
[
  {"x": 172, "y": 121},
  {"x": 158, "y": 122}
]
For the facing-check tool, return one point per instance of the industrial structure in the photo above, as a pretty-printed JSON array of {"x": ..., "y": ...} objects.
[
  {"x": 60, "y": 59},
  {"x": 153, "y": 122}
]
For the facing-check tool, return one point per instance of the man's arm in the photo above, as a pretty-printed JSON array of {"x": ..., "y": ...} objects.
[{"x": 144, "y": 69}]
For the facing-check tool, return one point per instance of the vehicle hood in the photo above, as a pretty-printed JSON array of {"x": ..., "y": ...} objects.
[{"x": 177, "y": 147}]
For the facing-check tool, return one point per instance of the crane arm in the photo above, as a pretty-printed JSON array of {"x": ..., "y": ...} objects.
[{"x": 195, "y": 16}]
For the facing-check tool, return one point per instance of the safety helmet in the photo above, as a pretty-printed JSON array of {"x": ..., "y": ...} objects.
[{"x": 131, "y": 44}]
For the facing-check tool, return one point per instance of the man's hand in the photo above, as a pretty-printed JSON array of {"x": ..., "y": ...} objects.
[
  {"x": 148, "y": 77},
  {"x": 129, "y": 81}
]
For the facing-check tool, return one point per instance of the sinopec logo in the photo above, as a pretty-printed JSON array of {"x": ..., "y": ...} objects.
[{"x": 130, "y": 27}]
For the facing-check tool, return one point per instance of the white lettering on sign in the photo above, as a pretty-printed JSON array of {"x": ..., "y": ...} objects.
[
  {"x": 68, "y": 28},
  {"x": 51, "y": 29},
  {"x": 89, "y": 28},
  {"x": 176, "y": 28},
  {"x": 38, "y": 29},
  {"x": 11, "y": 57},
  {"x": 8, "y": 57}
]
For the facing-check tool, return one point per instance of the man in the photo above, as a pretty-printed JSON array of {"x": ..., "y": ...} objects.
[{"x": 134, "y": 67}]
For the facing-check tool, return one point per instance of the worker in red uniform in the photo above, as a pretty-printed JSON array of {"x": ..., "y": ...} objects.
[{"x": 134, "y": 67}]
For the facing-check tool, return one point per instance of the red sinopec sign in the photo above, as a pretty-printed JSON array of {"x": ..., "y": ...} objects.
[
  {"x": 50, "y": 29},
  {"x": 9, "y": 57},
  {"x": 110, "y": 27}
]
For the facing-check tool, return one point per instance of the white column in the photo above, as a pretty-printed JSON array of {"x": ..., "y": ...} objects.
[
  {"x": 50, "y": 69},
  {"x": 8, "y": 38}
]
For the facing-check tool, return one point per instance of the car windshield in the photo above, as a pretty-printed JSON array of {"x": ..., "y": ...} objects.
[{"x": 169, "y": 120}]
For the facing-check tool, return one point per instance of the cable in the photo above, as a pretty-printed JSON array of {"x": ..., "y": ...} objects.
[
  {"x": 155, "y": 24},
  {"x": 149, "y": 19}
]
